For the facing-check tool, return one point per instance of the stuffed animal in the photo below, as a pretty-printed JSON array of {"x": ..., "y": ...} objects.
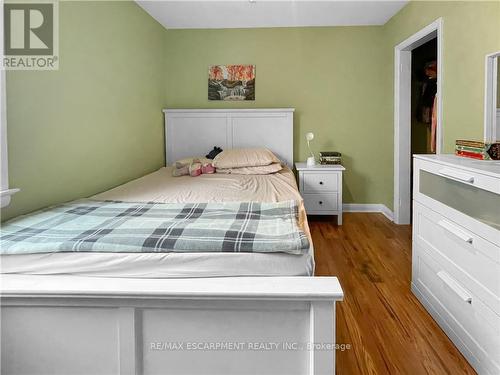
[
  {"x": 180, "y": 169},
  {"x": 193, "y": 167},
  {"x": 208, "y": 168}
]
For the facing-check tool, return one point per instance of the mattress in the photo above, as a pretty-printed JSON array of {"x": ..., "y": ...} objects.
[{"x": 160, "y": 186}]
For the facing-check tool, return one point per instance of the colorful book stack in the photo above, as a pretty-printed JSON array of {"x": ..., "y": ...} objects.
[
  {"x": 330, "y": 157},
  {"x": 477, "y": 150}
]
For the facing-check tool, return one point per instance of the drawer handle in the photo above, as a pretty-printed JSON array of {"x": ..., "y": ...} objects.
[
  {"x": 449, "y": 227},
  {"x": 320, "y": 202},
  {"x": 321, "y": 182},
  {"x": 453, "y": 285},
  {"x": 464, "y": 177}
]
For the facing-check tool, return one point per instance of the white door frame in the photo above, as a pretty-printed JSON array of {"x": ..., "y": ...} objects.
[
  {"x": 402, "y": 114},
  {"x": 491, "y": 112}
]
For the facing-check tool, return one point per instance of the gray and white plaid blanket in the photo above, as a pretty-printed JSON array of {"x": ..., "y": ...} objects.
[{"x": 110, "y": 226}]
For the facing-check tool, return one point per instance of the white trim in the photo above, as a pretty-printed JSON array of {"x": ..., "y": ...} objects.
[
  {"x": 4, "y": 166},
  {"x": 369, "y": 207},
  {"x": 402, "y": 113},
  {"x": 491, "y": 112}
]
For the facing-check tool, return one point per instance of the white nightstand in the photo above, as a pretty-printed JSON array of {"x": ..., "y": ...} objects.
[{"x": 321, "y": 189}]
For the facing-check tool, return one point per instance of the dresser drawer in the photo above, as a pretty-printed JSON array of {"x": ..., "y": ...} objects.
[
  {"x": 472, "y": 259},
  {"x": 319, "y": 182},
  {"x": 473, "y": 327},
  {"x": 464, "y": 176},
  {"x": 321, "y": 202},
  {"x": 468, "y": 196}
]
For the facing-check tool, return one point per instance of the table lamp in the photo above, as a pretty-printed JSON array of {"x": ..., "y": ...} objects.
[{"x": 310, "y": 160}]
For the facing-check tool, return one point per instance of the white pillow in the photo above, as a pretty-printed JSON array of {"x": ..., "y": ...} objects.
[
  {"x": 264, "y": 169},
  {"x": 244, "y": 157}
]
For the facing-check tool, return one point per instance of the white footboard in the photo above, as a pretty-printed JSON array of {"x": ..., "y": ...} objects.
[{"x": 81, "y": 325}]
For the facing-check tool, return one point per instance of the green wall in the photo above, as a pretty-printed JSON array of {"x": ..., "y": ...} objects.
[
  {"x": 96, "y": 122},
  {"x": 340, "y": 80},
  {"x": 471, "y": 30},
  {"x": 333, "y": 77}
]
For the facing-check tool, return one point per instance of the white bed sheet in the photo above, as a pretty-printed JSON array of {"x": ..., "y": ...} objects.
[
  {"x": 160, "y": 265},
  {"x": 160, "y": 186}
]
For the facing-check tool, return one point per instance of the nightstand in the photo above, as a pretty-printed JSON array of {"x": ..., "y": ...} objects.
[{"x": 321, "y": 189}]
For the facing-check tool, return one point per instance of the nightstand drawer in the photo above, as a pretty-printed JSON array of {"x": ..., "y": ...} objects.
[
  {"x": 321, "y": 202},
  {"x": 319, "y": 182}
]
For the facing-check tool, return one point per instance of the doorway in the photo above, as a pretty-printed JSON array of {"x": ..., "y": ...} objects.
[
  {"x": 423, "y": 95},
  {"x": 423, "y": 103},
  {"x": 403, "y": 113}
]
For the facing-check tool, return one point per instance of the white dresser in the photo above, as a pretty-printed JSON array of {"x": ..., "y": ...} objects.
[
  {"x": 456, "y": 252},
  {"x": 321, "y": 189}
]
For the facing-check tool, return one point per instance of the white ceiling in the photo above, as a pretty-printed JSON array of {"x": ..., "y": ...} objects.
[{"x": 187, "y": 14}]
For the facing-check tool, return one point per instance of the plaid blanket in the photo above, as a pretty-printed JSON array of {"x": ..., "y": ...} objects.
[{"x": 110, "y": 226}]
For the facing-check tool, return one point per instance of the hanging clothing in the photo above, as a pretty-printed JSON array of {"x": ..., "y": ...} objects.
[
  {"x": 426, "y": 100},
  {"x": 427, "y": 93},
  {"x": 434, "y": 125}
]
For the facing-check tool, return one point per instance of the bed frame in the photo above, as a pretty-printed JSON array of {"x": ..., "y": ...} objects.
[
  {"x": 193, "y": 132},
  {"x": 78, "y": 325},
  {"x": 64, "y": 324}
]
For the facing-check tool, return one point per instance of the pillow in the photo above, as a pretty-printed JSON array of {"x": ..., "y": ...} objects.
[
  {"x": 263, "y": 169},
  {"x": 244, "y": 157}
]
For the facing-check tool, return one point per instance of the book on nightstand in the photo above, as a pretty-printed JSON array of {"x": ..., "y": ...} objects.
[{"x": 330, "y": 157}]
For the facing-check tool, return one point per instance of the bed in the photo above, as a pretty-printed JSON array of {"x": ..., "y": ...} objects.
[
  {"x": 162, "y": 187},
  {"x": 126, "y": 313}
]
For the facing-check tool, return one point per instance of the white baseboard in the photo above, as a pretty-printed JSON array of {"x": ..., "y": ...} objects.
[{"x": 369, "y": 207}]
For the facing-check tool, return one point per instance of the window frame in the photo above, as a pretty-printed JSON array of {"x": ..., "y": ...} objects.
[{"x": 5, "y": 191}]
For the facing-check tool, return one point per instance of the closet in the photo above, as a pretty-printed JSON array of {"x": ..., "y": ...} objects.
[
  {"x": 423, "y": 104},
  {"x": 423, "y": 101}
]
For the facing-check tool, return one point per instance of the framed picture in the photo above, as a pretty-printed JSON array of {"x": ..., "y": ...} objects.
[{"x": 231, "y": 82}]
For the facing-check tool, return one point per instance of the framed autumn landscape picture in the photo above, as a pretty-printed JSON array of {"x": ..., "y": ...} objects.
[{"x": 231, "y": 82}]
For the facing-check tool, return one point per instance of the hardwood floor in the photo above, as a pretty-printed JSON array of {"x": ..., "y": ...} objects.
[{"x": 387, "y": 328}]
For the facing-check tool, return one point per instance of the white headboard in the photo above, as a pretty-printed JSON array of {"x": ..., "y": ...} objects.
[{"x": 194, "y": 132}]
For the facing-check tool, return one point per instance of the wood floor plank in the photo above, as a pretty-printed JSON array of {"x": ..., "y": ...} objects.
[{"x": 388, "y": 329}]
